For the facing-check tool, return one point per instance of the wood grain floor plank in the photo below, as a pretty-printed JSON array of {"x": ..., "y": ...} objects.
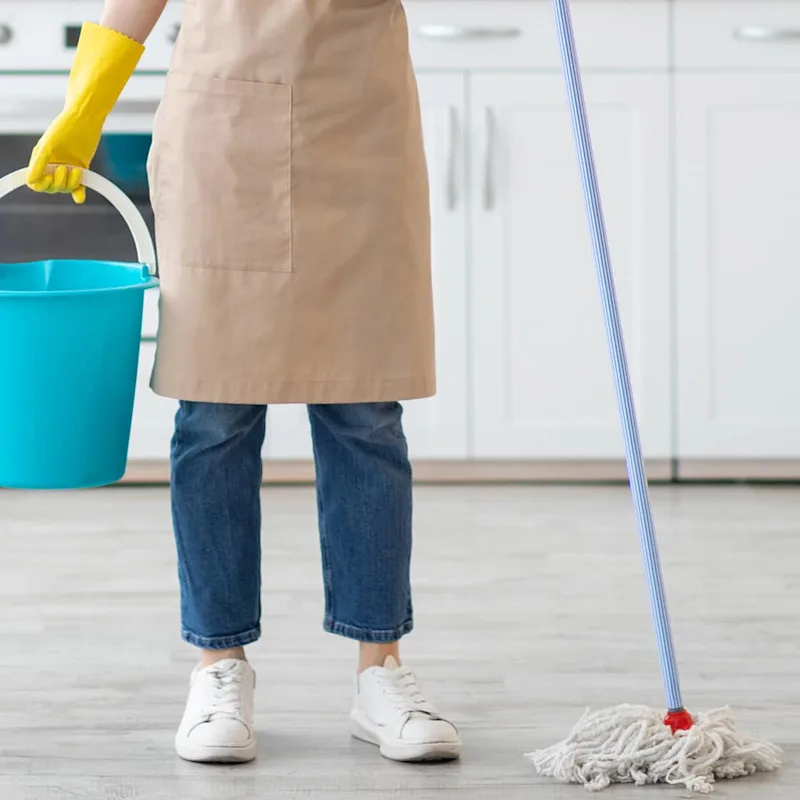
[{"x": 531, "y": 606}]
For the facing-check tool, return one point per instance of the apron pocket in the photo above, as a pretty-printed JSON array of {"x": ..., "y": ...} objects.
[{"x": 222, "y": 189}]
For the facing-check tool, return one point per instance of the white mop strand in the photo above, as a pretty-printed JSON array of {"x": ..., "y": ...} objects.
[{"x": 631, "y": 744}]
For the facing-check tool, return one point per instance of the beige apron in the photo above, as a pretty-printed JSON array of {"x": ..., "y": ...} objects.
[{"x": 290, "y": 190}]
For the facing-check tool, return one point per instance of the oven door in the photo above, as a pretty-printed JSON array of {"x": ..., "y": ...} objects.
[{"x": 34, "y": 226}]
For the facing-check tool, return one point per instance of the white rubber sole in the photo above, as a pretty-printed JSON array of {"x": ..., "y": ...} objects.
[
  {"x": 201, "y": 754},
  {"x": 400, "y": 749}
]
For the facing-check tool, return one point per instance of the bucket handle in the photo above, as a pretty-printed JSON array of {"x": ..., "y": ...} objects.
[{"x": 145, "y": 250}]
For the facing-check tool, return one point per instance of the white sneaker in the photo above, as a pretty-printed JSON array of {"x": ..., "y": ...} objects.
[
  {"x": 391, "y": 712},
  {"x": 217, "y": 725}
]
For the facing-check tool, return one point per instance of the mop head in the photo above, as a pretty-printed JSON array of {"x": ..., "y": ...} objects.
[{"x": 631, "y": 744}]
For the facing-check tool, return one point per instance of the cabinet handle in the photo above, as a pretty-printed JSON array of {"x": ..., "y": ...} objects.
[
  {"x": 755, "y": 33},
  {"x": 461, "y": 32},
  {"x": 126, "y": 106},
  {"x": 451, "y": 188},
  {"x": 489, "y": 177},
  {"x": 45, "y": 107}
]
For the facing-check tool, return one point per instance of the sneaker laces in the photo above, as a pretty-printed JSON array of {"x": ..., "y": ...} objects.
[
  {"x": 402, "y": 690},
  {"x": 222, "y": 693}
]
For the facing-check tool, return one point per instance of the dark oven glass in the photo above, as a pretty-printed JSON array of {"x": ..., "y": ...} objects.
[{"x": 36, "y": 226}]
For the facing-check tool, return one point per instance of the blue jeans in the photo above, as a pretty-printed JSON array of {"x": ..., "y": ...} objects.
[{"x": 364, "y": 506}]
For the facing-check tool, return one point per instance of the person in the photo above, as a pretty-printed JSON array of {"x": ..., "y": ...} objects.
[{"x": 289, "y": 186}]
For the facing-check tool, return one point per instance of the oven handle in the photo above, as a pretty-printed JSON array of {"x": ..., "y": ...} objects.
[
  {"x": 145, "y": 250},
  {"x": 51, "y": 108}
]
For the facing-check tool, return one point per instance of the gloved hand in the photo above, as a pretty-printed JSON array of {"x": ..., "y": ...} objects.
[{"x": 104, "y": 62}]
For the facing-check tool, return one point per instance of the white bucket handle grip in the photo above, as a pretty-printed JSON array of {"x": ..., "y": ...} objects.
[{"x": 145, "y": 250}]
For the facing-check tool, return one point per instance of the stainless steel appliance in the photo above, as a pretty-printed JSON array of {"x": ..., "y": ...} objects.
[{"x": 37, "y": 43}]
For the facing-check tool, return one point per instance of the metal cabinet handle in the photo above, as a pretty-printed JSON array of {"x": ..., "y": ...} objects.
[
  {"x": 451, "y": 188},
  {"x": 45, "y": 107},
  {"x": 6, "y": 33},
  {"x": 756, "y": 33},
  {"x": 489, "y": 170},
  {"x": 460, "y": 32},
  {"x": 125, "y": 106}
]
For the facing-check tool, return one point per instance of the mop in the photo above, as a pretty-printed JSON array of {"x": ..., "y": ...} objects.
[{"x": 629, "y": 743}]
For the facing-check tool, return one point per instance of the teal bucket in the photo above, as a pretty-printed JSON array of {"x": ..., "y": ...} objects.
[{"x": 70, "y": 335}]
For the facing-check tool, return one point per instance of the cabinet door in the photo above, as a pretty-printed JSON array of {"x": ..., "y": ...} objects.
[
  {"x": 542, "y": 376},
  {"x": 738, "y": 265},
  {"x": 153, "y": 416},
  {"x": 436, "y": 427}
]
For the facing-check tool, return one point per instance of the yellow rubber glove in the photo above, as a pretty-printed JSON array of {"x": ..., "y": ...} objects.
[{"x": 104, "y": 62}]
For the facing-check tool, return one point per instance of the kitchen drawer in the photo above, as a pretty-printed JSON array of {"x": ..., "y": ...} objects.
[
  {"x": 514, "y": 35},
  {"x": 737, "y": 35},
  {"x": 25, "y": 46},
  {"x": 150, "y": 316}
]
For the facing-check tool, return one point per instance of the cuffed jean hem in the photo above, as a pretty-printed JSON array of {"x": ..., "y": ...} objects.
[
  {"x": 222, "y": 642},
  {"x": 368, "y": 636}
]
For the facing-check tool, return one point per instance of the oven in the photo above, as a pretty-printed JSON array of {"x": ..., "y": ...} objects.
[
  {"x": 37, "y": 46},
  {"x": 36, "y": 226},
  {"x": 37, "y": 42}
]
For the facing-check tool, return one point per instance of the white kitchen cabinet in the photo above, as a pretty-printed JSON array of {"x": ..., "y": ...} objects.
[
  {"x": 694, "y": 108},
  {"x": 735, "y": 36},
  {"x": 738, "y": 265},
  {"x": 436, "y": 428},
  {"x": 288, "y": 434},
  {"x": 541, "y": 375},
  {"x": 517, "y": 35},
  {"x": 153, "y": 416}
]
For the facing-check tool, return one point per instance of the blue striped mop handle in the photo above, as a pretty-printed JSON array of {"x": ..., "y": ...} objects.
[{"x": 616, "y": 345}]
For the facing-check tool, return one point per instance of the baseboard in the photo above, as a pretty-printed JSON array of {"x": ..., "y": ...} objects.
[
  {"x": 545, "y": 471},
  {"x": 766, "y": 469},
  {"x": 443, "y": 472}
]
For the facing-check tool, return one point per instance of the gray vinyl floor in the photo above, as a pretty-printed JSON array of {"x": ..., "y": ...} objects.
[{"x": 530, "y": 607}]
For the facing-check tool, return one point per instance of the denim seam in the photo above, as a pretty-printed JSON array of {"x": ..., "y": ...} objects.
[
  {"x": 222, "y": 642},
  {"x": 323, "y": 538},
  {"x": 368, "y": 635}
]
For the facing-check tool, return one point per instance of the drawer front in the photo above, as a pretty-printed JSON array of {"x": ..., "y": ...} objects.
[
  {"x": 153, "y": 416},
  {"x": 150, "y": 315},
  {"x": 40, "y": 46},
  {"x": 737, "y": 35},
  {"x": 514, "y": 35}
]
